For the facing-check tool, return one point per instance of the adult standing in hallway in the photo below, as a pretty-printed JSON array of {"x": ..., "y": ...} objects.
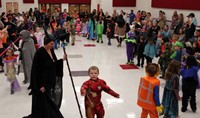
[
  {"x": 27, "y": 54},
  {"x": 45, "y": 70}
]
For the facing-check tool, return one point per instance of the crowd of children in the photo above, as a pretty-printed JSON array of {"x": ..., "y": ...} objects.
[{"x": 144, "y": 41}]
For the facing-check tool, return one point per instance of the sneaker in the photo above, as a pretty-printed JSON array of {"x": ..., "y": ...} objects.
[{"x": 101, "y": 41}]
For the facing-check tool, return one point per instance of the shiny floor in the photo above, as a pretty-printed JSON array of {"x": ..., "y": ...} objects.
[{"x": 108, "y": 59}]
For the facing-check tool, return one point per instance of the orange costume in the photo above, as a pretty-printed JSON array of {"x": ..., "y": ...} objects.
[
  {"x": 148, "y": 96},
  {"x": 93, "y": 104}
]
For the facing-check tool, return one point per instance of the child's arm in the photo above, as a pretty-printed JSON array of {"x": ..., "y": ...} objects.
[
  {"x": 159, "y": 107},
  {"x": 109, "y": 91},
  {"x": 156, "y": 95},
  {"x": 173, "y": 55},
  {"x": 176, "y": 88},
  {"x": 84, "y": 87}
]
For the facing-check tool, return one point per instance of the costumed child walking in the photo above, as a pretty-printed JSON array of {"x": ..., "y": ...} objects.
[
  {"x": 150, "y": 51},
  {"x": 39, "y": 36},
  {"x": 73, "y": 34},
  {"x": 10, "y": 71},
  {"x": 140, "y": 56},
  {"x": 171, "y": 90},
  {"x": 99, "y": 31},
  {"x": 130, "y": 46},
  {"x": 189, "y": 83},
  {"x": 92, "y": 89},
  {"x": 148, "y": 92},
  {"x": 177, "y": 55}
]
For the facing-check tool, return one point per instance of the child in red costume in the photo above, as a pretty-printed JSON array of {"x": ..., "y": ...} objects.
[{"x": 92, "y": 89}]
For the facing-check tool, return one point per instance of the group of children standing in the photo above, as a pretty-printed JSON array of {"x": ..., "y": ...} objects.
[{"x": 148, "y": 92}]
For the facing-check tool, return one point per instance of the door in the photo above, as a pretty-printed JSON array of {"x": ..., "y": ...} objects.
[
  {"x": 16, "y": 7},
  {"x": 8, "y": 7},
  {"x": 84, "y": 8},
  {"x": 72, "y": 8},
  {"x": 54, "y": 7}
]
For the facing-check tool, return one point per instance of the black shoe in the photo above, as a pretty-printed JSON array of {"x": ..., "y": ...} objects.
[
  {"x": 97, "y": 41},
  {"x": 119, "y": 45},
  {"x": 24, "y": 82},
  {"x": 11, "y": 92},
  {"x": 194, "y": 110},
  {"x": 101, "y": 41},
  {"x": 142, "y": 66},
  {"x": 183, "y": 109},
  {"x": 138, "y": 65},
  {"x": 29, "y": 116},
  {"x": 1, "y": 71}
]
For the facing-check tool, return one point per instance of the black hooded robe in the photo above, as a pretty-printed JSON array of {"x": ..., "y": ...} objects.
[{"x": 45, "y": 73}]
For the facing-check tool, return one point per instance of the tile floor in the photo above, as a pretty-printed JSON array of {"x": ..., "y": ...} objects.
[{"x": 108, "y": 59}]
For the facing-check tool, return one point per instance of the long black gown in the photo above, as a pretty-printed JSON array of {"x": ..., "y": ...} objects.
[{"x": 45, "y": 73}]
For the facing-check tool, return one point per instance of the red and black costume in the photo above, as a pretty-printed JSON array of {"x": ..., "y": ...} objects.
[{"x": 93, "y": 104}]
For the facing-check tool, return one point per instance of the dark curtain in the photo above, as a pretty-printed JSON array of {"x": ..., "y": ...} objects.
[
  {"x": 65, "y": 1},
  {"x": 28, "y": 1},
  {"x": 124, "y": 3},
  {"x": 176, "y": 4}
]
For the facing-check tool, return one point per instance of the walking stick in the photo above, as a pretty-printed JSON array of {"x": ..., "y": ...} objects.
[{"x": 70, "y": 74}]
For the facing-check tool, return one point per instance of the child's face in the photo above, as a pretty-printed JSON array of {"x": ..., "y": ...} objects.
[
  {"x": 194, "y": 45},
  {"x": 9, "y": 53},
  {"x": 177, "y": 48},
  {"x": 37, "y": 29},
  {"x": 93, "y": 74}
]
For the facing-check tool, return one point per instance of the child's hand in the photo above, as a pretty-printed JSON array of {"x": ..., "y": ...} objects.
[
  {"x": 118, "y": 96},
  {"x": 179, "y": 98},
  {"x": 42, "y": 89},
  {"x": 83, "y": 93}
]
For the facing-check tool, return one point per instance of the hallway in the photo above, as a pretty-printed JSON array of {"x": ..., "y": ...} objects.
[{"x": 108, "y": 59}]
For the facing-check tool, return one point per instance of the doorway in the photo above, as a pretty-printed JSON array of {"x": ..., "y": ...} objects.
[
  {"x": 16, "y": 7},
  {"x": 84, "y": 8},
  {"x": 79, "y": 8},
  {"x": 9, "y": 7},
  {"x": 72, "y": 8}
]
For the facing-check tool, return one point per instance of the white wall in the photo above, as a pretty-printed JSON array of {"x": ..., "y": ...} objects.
[{"x": 22, "y": 6}]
